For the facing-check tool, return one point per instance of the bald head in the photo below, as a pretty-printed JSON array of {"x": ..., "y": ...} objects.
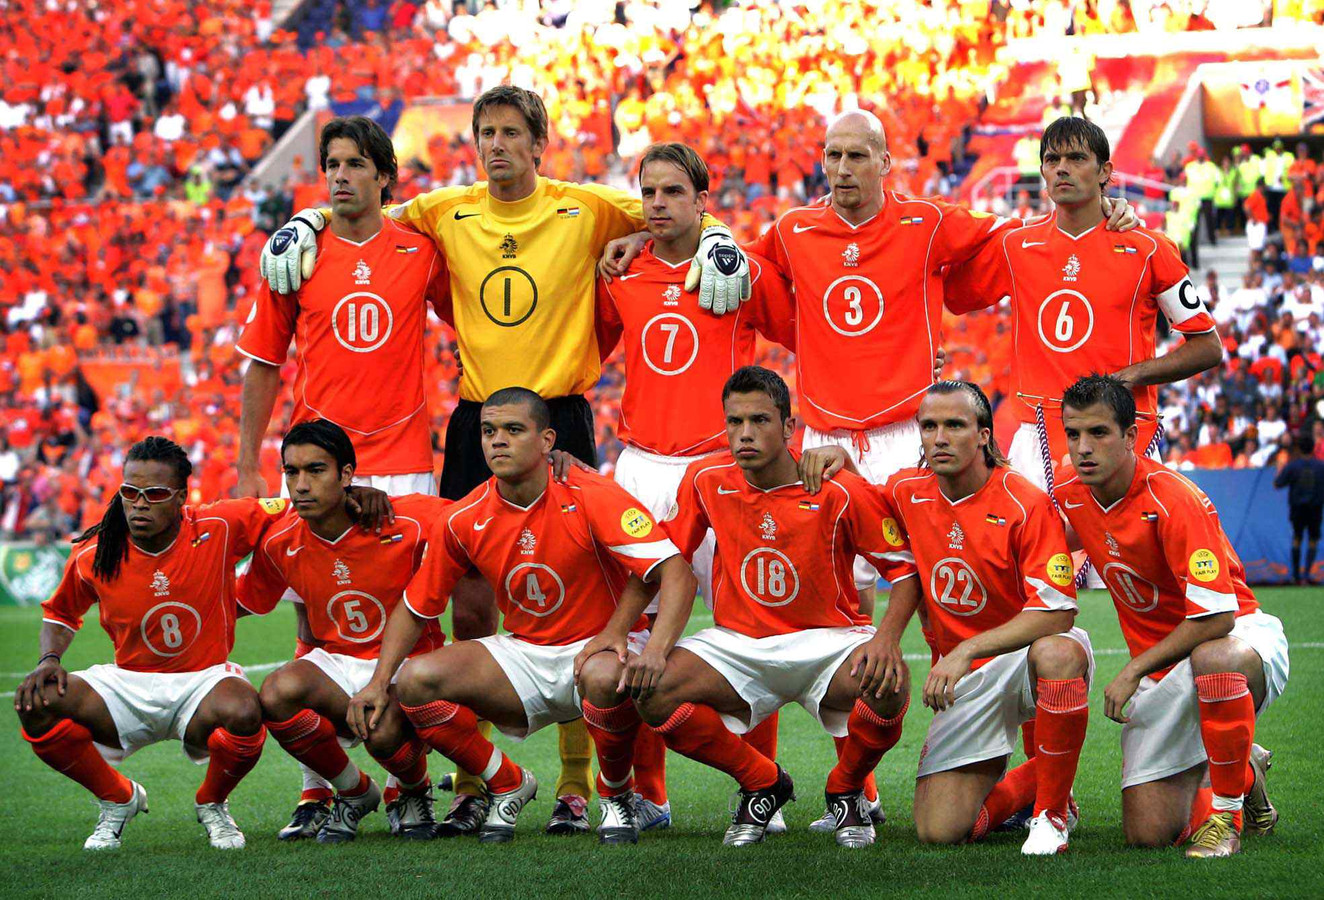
[
  {"x": 858, "y": 124},
  {"x": 855, "y": 160}
]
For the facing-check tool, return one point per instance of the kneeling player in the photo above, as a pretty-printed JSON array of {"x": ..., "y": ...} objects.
[
  {"x": 349, "y": 579},
  {"x": 560, "y": 555},
  {"x": 163, "y": 574},
  {"x": 1205, "y": 660},
  {"x": 1001, "y": 601},
  {"x": 788, "y": 625}
]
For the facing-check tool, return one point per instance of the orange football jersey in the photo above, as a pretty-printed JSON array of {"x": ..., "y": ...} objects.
[
  {"x": 350, "y": 585},
  {"x": 1161, "y": 551},
  {"x": 557, "y": 567},
  {"x": 677, "y": 356},
  {"x": 172, "y": 611},
  {"x": 1080, "y": 305},
  {"x": 358, "y": 325},
  {"x": 869, "y": 300},
  {"x": 985, "y": 557},
  {"x": 784, "y": 557}
]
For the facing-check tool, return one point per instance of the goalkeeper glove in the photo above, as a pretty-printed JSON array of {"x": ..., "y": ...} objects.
[
  {"x": 289, "y": 256},
  {"x": 720, "y": 271}
]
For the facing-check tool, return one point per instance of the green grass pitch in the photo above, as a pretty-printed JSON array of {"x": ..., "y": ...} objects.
[{"x": 44, "y": 817}]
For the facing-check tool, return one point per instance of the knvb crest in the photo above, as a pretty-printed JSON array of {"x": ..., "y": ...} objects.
[
  {"x": 956, "y": 537},
  {"x": 768, "y": 527},
  {"x": 160, "y": 584},
  {"x": 1113, "y": 549},
  {"x": 340, "y": 572},
  {"x": 362, "y": 274},
  {"x": 1071, "y": 270},
  {"x": 509, "y": 246},
  {"x": 671, "y": 296},
  {"x": 851, "y": 255},
  {"x": 528, "y": 542}
]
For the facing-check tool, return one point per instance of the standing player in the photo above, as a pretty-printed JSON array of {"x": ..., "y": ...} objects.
[
  {"x": 358, "y": 325},
  {"x": 788, "y": 625},
  {"x": 1205, "y": 660},
  {"x": 1001, "y": 602},
  {"x": 522, "y": 250},
  {"x": 677, "y": 357},
  {"x": 1084, "y": 300},
  {"x": 350, "y": 579},
  {"x": 562, "y": 553},
  {"x": 163, "y": 576}
]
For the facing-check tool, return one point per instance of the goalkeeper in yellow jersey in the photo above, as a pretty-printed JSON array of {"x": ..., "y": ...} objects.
[{"x": 522, "y": 251}]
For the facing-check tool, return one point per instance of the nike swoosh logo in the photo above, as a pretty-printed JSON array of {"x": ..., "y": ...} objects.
[
  {"x": 1026, "y": 244},
  {"x": 923, "y": 499},
  {"x": 292, "y": 551},
  {"x": 459, "y": 216},
  {"x": 722, "y": 490},
  {"x": 479, "y": 526},
  {"x": 799, "y": 228},
  {"x": 628, "y": 277},
  {"x": 1053, "y": 752},
  {"x": 1071, "y": 505}
]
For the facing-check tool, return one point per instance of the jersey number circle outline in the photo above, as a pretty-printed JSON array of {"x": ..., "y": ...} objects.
[
  {"x": 770, "y": 576},
  {"x": 531, "y": 578},
  {"x": 952, "y": 568},
  {"x": 1064, "y": 324},
  {"x": 854, "y": 298},
  {"x": 363, "y": 322},
  {"x": 505, "y": 301},
  {"x": 670, "y": 332},
  {"x": 352, "y": 614},
  {"x": 177, "y": 644},
  {"x": 1129, "y": 584}
]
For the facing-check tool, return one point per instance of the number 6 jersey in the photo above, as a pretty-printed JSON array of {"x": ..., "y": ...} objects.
[{"x": 172, "y": 611}]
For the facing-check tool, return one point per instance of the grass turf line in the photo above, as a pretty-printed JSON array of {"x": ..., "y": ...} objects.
[{"x": 44, "y": 817}]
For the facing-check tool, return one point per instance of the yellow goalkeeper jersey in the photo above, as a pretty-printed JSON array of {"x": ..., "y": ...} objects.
[{"x": 523, "y": 279}]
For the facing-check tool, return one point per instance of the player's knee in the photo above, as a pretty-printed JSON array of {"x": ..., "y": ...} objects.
[
  {"x": 387, "y": 737},
  {"x": 1220, "y": 655},
  {"x": 932, "y": 829},
  {"x": 281, "y": 695},
  {"x": 419, "y": 681},
  {"x": 243, "y": 717},
  {"x": 599, "y": 678},
  {"x": 1058, "y": 657},
  {"x": 656, "y": 708},
  {"x": 1149, "y": 835}
]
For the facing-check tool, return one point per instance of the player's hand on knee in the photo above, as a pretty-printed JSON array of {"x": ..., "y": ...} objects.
[
  {"x": 819, "y": 464},
  {"x": 366, "y": 709},
  {"x": 643, "y": 673},
  {"x": 618, "y": 255},
  {"x": 31, "y": 694},
  {"x": 879, "y": 666},
  {"x": 720, "y": 272},
  {"x": 604, "y": 642},
  {"x": 368, "y": 507},
  {"x": 1117, "y": 694},
  {"x": 291, "y": 252}
]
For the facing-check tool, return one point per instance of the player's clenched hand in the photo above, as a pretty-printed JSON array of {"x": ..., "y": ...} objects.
[
  {"x": 366, "y": 708},
  {"x": 1120, "y": 214},
  {"x": 939, "y": 362},
  {"x": 600, "y": 643},
  {"x": 1117, "y": 694},
  {"x": 720, "y": 272},
  {"x": 251, "y": 484},
  {"x": 643, "y": 673},
  {"x": 879, "y": 666},
  {"x": 618, "y": 255},
  {"x": 369, "y": 507},
  {"x": 940, "y": 688},
  {"x": 819, "y": 464},
  {"x": 563, "y": 462},
  {"x": 290, "y": 253},
  {"x": 31, "y": 693}
]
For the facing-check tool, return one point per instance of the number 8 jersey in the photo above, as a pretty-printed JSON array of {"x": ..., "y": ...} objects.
[
  {"x": 985, "y": 557},
  {"x": 172, "y": 611}
]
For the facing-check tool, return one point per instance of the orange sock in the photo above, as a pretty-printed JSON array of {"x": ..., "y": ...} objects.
[
  {"x": 650, "y": 765},
  {"x": 232, "y": 757},
  {"x": 1201, "y": 807},
  {"x": 1062, "y": 713},
  {"x": 1027, "y": 738},
  {"x": 614, "y": 730},
  {"x": 1016, "y": 789},
  {"x": 870, "y": 782},
  {"x": 1227, "y": 725},
  {"x": 698, "y": 732},
  {"x": 67, "y": 748},
  {"x": 763, "y": 736},
  {"x": 452, "y": 730},
  {"x": 409, "y": 764},
  {"x": 316, "y": 795},
  {"x": 868, "y": 737},
  {"x": 311, "y": 739}
]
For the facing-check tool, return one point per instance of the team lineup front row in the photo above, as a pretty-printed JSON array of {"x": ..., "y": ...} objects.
[{"x": 596, "y": 595}]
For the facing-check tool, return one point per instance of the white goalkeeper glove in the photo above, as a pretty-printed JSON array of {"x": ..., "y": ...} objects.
[
  {"x": 288, "y": 257},
  {"x": 720, "y": 271}
]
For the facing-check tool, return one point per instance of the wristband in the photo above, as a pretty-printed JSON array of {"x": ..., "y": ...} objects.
[{"x": 50, "y": 655}]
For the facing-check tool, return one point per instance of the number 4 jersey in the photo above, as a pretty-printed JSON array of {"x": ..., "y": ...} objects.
[
  {"x": 348, "y": 585},
  {"x": 172, "y": 611}
]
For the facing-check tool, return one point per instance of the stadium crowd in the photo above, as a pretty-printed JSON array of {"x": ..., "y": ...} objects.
[{"x": 128, "y": 238}]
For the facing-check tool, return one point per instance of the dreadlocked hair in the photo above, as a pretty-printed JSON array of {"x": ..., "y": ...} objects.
[
  {"x": 993, "y": 457},
  {"x": 113, "y": 529}
]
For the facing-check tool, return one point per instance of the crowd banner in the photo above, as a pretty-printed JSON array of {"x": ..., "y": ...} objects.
[{"x": 29, "y": 573}]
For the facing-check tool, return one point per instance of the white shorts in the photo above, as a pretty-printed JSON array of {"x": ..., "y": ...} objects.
[
  {"x": 654, "y": 481},
  {"x": 150, "y": 707},
  {"x": 992, "y": 703},
  {"x": 393, "y": 485},
  {"x": 543, "y": 675},
  {"x": 891, "y": 448},
  {"x": 1162, "y": 737},
  {"x": 770, "y": 672}
]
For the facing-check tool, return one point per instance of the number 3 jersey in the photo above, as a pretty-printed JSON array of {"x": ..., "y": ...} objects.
[
  {"x": 985, "y": 557},
  {"x": 172, "y": 611},
  {"x": 557, "y": 567},
  {"x": 349, "y": 585},
  {"x": 784, "y": 557},
  {"x": 358, "y": 325}
]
